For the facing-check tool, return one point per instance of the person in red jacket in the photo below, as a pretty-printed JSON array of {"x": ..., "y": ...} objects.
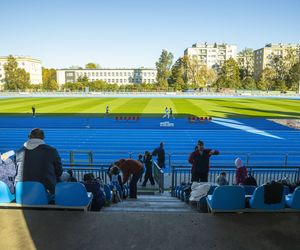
[
  {"x": 200, "y": 162},
  {"x": 134, "y": 169}
]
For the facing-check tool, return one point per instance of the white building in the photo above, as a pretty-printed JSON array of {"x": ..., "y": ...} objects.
[
  {"x": 30, "y": 65},
  {"x": 211, "y": 55},
  {"x": 263, "y": 56},
  {"x": 118, "y": 76}
]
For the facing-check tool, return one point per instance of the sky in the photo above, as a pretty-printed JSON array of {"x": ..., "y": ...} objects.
[{"x": 133, "y": 33}]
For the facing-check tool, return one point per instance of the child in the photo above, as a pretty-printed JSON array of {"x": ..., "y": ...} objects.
[
  {"x": 221, "y": 180},
  {"x": 240, "y": 172},
  {"x": 116, "y": 183}
]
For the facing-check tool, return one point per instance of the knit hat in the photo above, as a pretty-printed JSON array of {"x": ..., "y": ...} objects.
[{"x": 238, "y": 162}]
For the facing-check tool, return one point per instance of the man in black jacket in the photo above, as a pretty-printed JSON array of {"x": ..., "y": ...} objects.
[{"x": 37, "y": 161}]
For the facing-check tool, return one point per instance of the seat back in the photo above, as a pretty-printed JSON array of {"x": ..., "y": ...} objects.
[
  {"x": 296, "y": 199},
  {"x": 257, "y": 201},
  {"x": 228, "y": 198},
  {"x": 31, "y": 193},
  {"x": 71, "y": 194},
  {"x": 5, "y": 194}
]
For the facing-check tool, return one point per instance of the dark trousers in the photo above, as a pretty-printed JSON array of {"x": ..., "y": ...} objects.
[
  {"x": 133, "y": 183},
  {"x": 199, "y": 177},
  {"x": 148, "y": 176}
]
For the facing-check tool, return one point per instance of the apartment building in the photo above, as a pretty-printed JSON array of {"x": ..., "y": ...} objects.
[
  {"x": 30, "y": 65},
  {"x": 263, "y": 56},
  {"x": 118, "y": 76},
  {"x": 212, "y": 55}
]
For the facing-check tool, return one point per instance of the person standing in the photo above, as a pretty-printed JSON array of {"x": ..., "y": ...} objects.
[
  {"x": 166, "y": 113},
  {"x": 171, "y": 113},
  {"x": 148, "y": 164},
  {"x": 133, "y": 168},
  {"x": 160, "y": 153},
  {"x": 33, "y": 111},
  {"x": 37, "y": 161},
  {"x": 106, "y": 111},
  {"x": 200, "y": 162}
]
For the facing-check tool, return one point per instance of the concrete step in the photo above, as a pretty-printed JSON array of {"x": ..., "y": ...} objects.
[{"x": 151, "y": 203}]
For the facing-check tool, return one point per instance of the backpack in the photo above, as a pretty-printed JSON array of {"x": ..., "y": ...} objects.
[{"x": 250, "y": 181}]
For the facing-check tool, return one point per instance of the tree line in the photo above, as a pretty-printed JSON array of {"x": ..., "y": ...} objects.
[{"x": 282, "y": 73}]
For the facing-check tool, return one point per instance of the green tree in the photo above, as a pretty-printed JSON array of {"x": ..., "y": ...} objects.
[
  {"x": 248, "y": 83},
  {"x": 163, "y": 66},
  {"x": 293, "y": 80},
  {"x": 266, "y": 79},
  {"x": 15, "y": 78},
  {"x": 49, "y": 79},
  {"x": 245, "y": 60},
  {"x": 197, "y": 73},
  {"x": 92, "y": 65},
  {"x": 229, "y": 77},
  {"x": 178, "y": 79}
]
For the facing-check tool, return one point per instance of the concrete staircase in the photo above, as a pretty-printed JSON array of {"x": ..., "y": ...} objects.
[{"x": 157, "y": 203}]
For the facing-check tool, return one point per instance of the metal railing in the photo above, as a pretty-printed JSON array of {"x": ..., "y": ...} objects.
[
  {"x": 79, "y": 170},
  {"x": 262, "y": 174},
  {"x": 158, "y": 177}
]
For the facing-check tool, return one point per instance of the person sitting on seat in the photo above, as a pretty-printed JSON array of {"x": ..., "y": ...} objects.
[
  {"x": 39, "y": 162},
  {"x": 7, "y": 171},
  {"x": 222, "y": 180},
  {"x": 92, "y": 185}
]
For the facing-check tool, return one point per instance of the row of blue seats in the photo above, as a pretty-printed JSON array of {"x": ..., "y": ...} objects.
[
  {"x": 34, "y": 193},
  {"x": 66, "y": 194},
  {"x": 232, "y": 198}
]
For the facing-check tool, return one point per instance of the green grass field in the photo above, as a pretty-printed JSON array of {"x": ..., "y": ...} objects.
[{"x": 214, "y": 107}]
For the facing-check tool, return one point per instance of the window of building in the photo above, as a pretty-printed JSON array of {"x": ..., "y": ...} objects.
[
  {"x": 104, "y": 73},
  {"x": 121, "y": 81},
  {"x": 112, "y": 73},
  {"x": 100, "y": 73},
  {"x": 93, "y": 73},
  {"x": 108, "y": 73},
  {"x": 120, "y": 73},
  {"x": 124, "y": 73},
  {"x": 113, "y": 80},
  {"x": 117, "y": 74}
]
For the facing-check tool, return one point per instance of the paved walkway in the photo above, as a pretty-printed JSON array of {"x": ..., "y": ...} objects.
[{"x": 151, "y": 203}]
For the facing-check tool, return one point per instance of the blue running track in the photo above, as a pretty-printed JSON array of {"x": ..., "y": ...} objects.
[{"x": 110, "y": 139}]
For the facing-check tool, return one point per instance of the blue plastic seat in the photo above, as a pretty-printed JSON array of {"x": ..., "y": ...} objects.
[
  {"x": 71, "y": 194},
  {"x": 257, "y": 201},
  {"x": 249, "y": 189},
  {"x": 293, "y": 201},
  {"x": 226, "y": 199},
  {"x": 108, "y": 192},
  {"x": 5, "y": 195},
  {"x": 31, "y": 193}
]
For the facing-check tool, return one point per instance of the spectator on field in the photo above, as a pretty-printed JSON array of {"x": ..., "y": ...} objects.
[
  {"x": 200, "y": 162},
  {"x": 33, "y": 111},
  {"x": 37, "y": 161},
  {"x": 107, "y": 110},
  {"x": 148, "y": 164},
  {"x": 160, "y": 153},
  {"x": 240, "y": 172},
  {"x": 222, "y": 180},
  {"x": 171, "y": 113},
  {"x": 134, "y": 169}
]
